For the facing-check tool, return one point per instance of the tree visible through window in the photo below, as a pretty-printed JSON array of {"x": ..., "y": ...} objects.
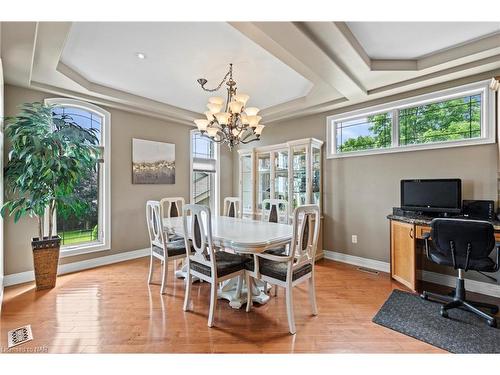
[
  {"x": 438, "y": 122},
  {"x": 442, "y": 121},
  {"x": 82, "y": 226}
]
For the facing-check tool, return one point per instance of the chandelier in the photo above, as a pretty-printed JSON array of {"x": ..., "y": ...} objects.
[{"x": 232, "y": 123}]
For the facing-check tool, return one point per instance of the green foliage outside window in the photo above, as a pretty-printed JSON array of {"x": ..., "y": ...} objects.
[{"x": 436, "y": 122}]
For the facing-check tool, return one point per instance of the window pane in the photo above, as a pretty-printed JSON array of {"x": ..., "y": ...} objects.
[
  {"x": 299, "y": 177},
  {"x": 364, "y": 133},
  {"x": 204, "y": 173},
  {"x": 82, "y": 226},
  {"x": 264, "y": 178},
  {"x": 203, "y": 192},
  {"x": 443, "y": 121}
]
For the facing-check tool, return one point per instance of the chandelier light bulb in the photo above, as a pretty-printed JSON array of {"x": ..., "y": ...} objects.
[
  {"x": 242, "y": 98},
  {"x": 259, "y": 129},
  {"x": 214, "y": 108},
  {"x": 201, "y": 124},
  {"x": 235, "y": 106},
  {"x": 222, "y": 117},
  {"x": 252, "y": 111},
  {"x": 253, "y": 121},
  {"x": 212, "y": 132},
  {"x": 216, "y": 100},
  {"x": 210, "y": 115},
  {"x": 244, "y": 119}
]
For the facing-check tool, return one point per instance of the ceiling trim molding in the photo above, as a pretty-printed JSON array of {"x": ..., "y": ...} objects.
[
  {"x": 106, "y": 103},
  {"x": 126, "y": 98},
  {"x": 440, "y": 57},
  {"x": 426, "y": 77},
  {"x": 334, "y": 109}
]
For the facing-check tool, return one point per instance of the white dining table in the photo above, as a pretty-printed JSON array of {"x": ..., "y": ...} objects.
[{"x": 244, "y": 236}]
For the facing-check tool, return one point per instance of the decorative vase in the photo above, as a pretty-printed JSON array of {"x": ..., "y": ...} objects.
[{"x": 46, "y": 259}]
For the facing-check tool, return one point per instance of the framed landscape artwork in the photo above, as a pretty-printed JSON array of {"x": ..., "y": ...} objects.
[{"x": 153, "y": 162}]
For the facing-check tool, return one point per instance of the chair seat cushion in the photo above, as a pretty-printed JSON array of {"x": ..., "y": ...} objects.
[
  {"x": 482, "y": 264},
  {"x": 277, "y": 250},
  {"x": 226, "y": 263},
  {"x": 277, "y": 270},
  {"x": 173, "y": 248}
]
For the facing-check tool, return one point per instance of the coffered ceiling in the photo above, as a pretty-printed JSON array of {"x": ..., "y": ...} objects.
[{"x": 289, "y": 69}]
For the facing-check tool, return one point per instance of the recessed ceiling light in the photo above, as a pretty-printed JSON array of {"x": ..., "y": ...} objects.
[{"x": 140, "y": 55}]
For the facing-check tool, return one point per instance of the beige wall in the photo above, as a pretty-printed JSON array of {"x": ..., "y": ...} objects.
[
  {"x": 128, "y": 225},
  {"x": 359, "y": 192}
]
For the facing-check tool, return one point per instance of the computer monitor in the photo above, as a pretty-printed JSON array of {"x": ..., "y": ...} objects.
[{"x": 432, "y": 195}]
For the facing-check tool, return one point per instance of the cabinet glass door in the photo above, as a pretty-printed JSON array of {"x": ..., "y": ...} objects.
[
  {"x": 316, "y": 176},
  {"x": 281, "y": 175},
  {"x": 263, "y": 178},
  {"x": 246, "y": 183},
  {"x": 299, "y": 187}
]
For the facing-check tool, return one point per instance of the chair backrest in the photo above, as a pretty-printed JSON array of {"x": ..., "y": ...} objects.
[
  {"x": 155, "y": 225},
  {"x": 460, "y": 236},
  {"x": 306, "y": 223},
  {"x": 197, "y": 223},
  {"x": 275, "y": 211},
  {"x": 172, "y": 207},
  {"x": 232, "y": 207}
]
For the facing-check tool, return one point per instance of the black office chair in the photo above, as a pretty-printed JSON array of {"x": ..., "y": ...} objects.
[{"x": 464, "y": 245}]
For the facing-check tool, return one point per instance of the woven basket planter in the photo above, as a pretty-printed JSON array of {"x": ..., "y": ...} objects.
[{"x": 46, "y": 259}]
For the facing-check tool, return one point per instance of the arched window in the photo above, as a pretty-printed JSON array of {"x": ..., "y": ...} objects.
[{"x": 89, "y": 230}]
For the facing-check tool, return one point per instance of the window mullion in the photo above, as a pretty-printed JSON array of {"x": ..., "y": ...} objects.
[{"x": 395, "y": 128}]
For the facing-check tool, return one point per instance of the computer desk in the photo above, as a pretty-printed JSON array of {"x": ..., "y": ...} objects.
[{"x": 406, "y": 233}]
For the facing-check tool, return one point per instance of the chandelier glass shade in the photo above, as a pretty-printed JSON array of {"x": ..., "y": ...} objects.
[{"x": 230, "y": 121}]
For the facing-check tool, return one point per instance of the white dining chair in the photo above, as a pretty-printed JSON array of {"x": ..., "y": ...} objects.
[
  {"x": 161, "y": 248},
  {"x": 275, "y": 211},
  {"x": 297, "y": 267},
  {"x": 204, "y": 262},
  {"x": 172, "y": 207},
  {"x": 232, "y": 207}
]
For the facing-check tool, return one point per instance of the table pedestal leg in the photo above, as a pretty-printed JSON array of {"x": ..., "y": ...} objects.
[{"x": 235, "y": 291}]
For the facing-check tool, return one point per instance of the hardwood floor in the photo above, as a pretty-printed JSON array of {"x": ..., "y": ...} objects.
[{"x": 111, "y": 309}]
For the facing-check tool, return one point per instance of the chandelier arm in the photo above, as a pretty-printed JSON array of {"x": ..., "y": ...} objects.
[{"x": 203, "y": 81}]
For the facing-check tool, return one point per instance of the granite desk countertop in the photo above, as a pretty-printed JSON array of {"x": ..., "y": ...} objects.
[{"x": 426, "y": 220}]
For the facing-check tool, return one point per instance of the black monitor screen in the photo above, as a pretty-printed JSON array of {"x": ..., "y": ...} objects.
[{"x": 432, "y": 195}]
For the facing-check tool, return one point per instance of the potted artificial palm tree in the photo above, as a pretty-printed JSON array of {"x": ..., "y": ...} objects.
[{"x": 50, "y": 154}]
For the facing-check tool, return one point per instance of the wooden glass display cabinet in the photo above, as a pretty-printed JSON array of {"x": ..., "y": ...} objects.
[{"x": 291, "y": 171}]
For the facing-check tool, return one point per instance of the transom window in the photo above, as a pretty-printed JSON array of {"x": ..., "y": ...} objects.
[
  {"x": 88, "y": 229},
  {"x": 455, "y": 117}
]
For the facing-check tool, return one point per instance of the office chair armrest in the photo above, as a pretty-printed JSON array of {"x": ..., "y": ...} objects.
[
  {"x": 426, "y": 237},
  {"x": 497, "y": 266}
]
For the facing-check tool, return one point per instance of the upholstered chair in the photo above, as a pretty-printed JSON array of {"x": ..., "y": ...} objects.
[
  {"x": 289, "y": 270},
  {"x": 204, "y": 262},
  {"x": 161, "y": 247}
]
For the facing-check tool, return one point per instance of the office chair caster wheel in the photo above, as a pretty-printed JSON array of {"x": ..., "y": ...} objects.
[
  {"x": 444, "y": 313},
  {"x": 424, "y": 296},
  {"x": 492, "y": 323}
]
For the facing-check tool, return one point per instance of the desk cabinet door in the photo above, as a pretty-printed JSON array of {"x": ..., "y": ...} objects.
[{"x": 403, "y": 258}]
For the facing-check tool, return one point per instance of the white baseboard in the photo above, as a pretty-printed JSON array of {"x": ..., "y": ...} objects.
[
  {"x": 357, "y": 261},
  {"x": 23, "y": 277},
  {"x": 432, "y": 277}
]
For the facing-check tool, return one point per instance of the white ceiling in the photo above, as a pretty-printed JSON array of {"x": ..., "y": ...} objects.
[
  {"x": 412, "y": 40},
  {"x": 290, "y": 69},
  {"x": 177, "y": 54}
]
